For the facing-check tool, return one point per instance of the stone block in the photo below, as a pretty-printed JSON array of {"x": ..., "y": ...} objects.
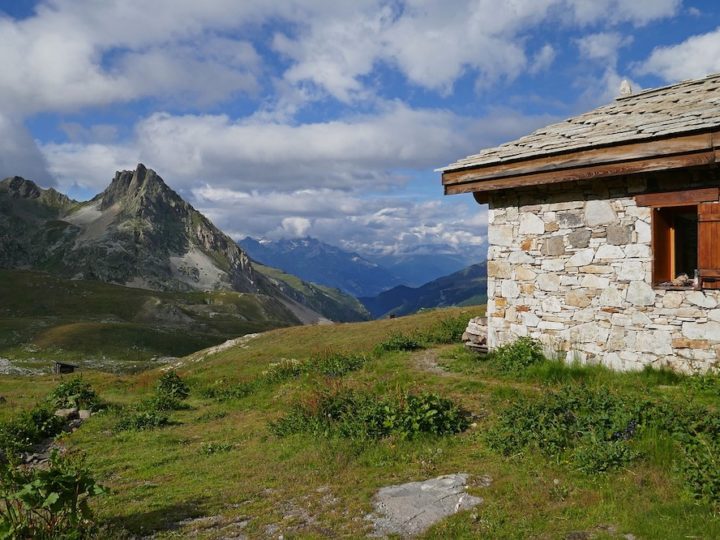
[
  {"x": 673, "y": 299},
  {"x": 548, "y": 282},
  {"x": 599, "y": 213},
  {"x": 501, "y": 235},
  {"x": 699, "y": 298},
  {"x": 577, "y": 299},
  {"x": 569, "y": 220},
  {"x": 581, "y": 258},
  {"x": 509, "y": 289},
  {"x": 499, "y": 269},
  {"x": 632, "y": 271},
  {"x": 619, "y": 235},
  {"x": 553, "y": 246},
  {"x": 611, "y": 297},
  {"x": 520, "y": 257},
  {"x": 592, "y": 281},
  {"x": 579, "y": 238},
  {"x": 523, "y": 273},
  {"x": 552, "y": 265},
  {"x": 638, "y": 251},
  {"x": 596, "y": 269},
  {"x": 642, "y": 230},
  {"x": 706, "y": 331},
  {"x": 531, "y": 224},
  {"x": 552, "y": 226},
  {"x": 640, "y": 293},
  {"x": 608, "y": 252}
]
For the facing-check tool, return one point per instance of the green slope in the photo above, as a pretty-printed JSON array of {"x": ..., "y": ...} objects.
[
  {"x": 45, "y": 318},
  {"x": 332, "y": 303},
  {"x": 464, "y": 288}
]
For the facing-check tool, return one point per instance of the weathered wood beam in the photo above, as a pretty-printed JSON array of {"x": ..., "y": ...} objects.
[
  {"x": 595, "y": 156},
  {"x": 678, "y": 198},
  {"x": 658, "y": 163}
]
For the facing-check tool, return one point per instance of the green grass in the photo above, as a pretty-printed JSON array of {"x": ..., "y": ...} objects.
[
  {"x": 44, "y": 318},
  {"x": 219, "y": 458}
]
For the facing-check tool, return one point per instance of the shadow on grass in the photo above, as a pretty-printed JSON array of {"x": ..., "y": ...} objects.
[{"x": 163, "y": 518}]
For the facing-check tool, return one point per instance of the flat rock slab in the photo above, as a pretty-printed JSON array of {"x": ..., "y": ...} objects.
[{"x": 409, "y": 509}]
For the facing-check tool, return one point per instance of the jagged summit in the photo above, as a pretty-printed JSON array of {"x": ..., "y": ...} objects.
[
  {"x": 138, "y": 232},
  {"x": 142, "y": 184}
]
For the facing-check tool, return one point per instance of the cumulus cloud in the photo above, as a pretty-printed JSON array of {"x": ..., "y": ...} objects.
[
  {"x": 364, "y": 151},
  {"x": 695, "y": 57}
]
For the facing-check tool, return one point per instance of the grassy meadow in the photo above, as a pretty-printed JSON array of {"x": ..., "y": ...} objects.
[
  {"x": 249, "y": 453},
  {"x": 44, "y": 318}
]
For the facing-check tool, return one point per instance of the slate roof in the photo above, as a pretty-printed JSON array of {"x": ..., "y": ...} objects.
[{"x": 689, "y": 106}]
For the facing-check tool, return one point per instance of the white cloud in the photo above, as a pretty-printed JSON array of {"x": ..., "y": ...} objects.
[
  {"x": 695, "y": 57},
  {"x": 603, "y": 46},
  {"x": 363, "y": 151},
  {"x": 19, "y": 153},
  {"x": 543, "y": 59}
]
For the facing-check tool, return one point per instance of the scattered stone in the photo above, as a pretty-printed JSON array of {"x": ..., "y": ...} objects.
[
  {"x": 84, "y": 414},
  {"x": 68, "y": 414},
  {"x": 410, "y": 509}
]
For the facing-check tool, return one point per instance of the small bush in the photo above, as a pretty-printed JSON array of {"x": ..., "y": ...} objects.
[
  {"x": 222, "y": 392},
  {"x": 600, "y": 456},
  {"x": 516, "y": 357},
  {"x": 364, "y": 416},
  {"x": 47, "y": 503},
  {"x": 335, "y": 364},
  {"x": 29, "y": 428},
  {"x": 399, "y": 341},
  {"x": 590, "y": 422},
  {"x": 163, "y": 402},
  {"x": 171, "y": 385},
  {"x": 74, "y": 393},
  {"x": 284, "y": 370},
  {"x": 140, "y": 420},
  {"x": 211, "y": 448},
  {"x": 448, "y": 330}
]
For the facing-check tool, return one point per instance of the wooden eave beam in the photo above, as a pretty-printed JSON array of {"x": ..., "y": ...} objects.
[{"x": 655, "y": 155}]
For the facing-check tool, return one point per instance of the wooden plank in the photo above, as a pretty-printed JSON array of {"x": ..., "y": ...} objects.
[
  {"x": 662, "y": 246},
  {"x": 709, "y": 244},
  {"x": 586, "y": 173},
  {"x": 594, "y": 156},
  {"x": 678, "y": 198}
]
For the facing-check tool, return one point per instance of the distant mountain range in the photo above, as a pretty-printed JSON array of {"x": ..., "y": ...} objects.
[
  {"x": 466, "y": 287},
  {"x": 140, "y": 233},
  {"x": 316, "y": 261}
]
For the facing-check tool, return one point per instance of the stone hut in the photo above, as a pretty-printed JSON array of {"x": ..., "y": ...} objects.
[{"x": 604, "y": 231}]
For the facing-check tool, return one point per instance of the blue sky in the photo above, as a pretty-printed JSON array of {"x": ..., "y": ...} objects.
[{"x": 318, "y": 117}]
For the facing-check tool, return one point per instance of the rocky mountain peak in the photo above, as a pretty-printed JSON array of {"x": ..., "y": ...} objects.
[
  {"x": 141, "y": 184},
  {"x": 20, "y": 188}
]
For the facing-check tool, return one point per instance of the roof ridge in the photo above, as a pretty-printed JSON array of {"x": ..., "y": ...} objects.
[{"x": 668, "y": 87}]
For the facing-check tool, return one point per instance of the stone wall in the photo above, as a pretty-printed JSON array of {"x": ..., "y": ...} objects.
[{"x": 571, "y": 266}]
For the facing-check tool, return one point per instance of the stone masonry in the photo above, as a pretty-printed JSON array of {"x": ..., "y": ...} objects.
[{"x": 571, "y": 265}]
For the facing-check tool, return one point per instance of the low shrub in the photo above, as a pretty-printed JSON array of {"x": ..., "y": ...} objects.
[
  {"x": 448, "y": 330},
  {"x": 582, "y": 425},
  {"x": 143, "y": 419},
  {"x": 74, "y": 393},
  {"x": 212, "y": 448},
  {"x": 334, "y": 364},
  {"x": 365, "y": 416},
  {"x": 518, "y": 356},
  {"x": 223, "y": 392},
  {"x": 171, "y": 385},
  {"x": 29, "y": 428},
  {"x": 399, "y": 341},
  {"x": 283, "y": 370},
  {"x": 163, "y": 402},
  {"x": 49, "y": 503}
]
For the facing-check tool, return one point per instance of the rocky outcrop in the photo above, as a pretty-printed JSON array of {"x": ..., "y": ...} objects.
[{"x": 475, "y": 335}]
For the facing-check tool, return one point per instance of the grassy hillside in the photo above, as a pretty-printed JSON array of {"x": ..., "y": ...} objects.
[
  {"x": 44, "y": 318},
  {"x": 464, "y": 288},
  {"x": 332, "y": 303},
  {"x": 221, "y": 469}
]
